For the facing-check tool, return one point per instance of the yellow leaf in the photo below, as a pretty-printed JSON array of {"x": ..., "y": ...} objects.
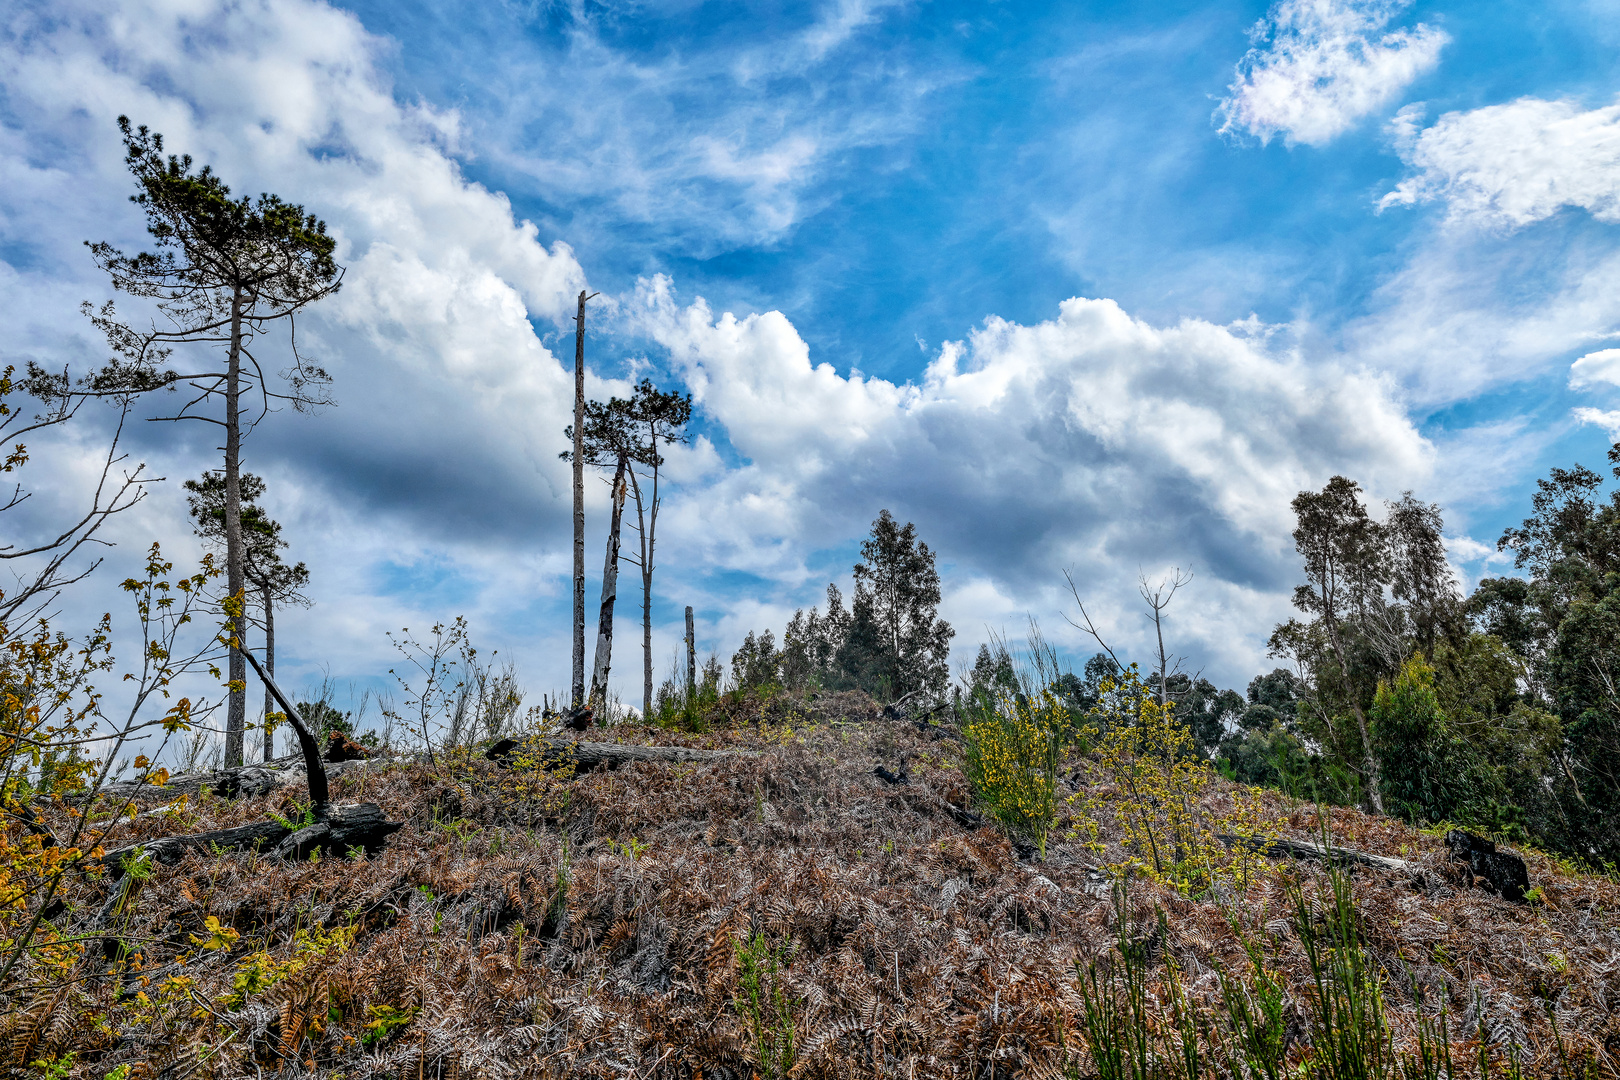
[{"x": 219, "y": 937}]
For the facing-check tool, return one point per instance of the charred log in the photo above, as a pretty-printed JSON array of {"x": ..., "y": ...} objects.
[
  {"x": 363, "y": 825},
  {"x": 1500, "y": 872},
  {"x": 319, "y": 793}
]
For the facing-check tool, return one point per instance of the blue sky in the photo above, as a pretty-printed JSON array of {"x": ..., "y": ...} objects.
[{"x": 1082, "y": 286}]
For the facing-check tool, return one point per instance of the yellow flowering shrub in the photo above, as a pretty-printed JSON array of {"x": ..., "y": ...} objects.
[
  {"x": 1013, "y": 746},
  {"x": 1146, "y": 775}
]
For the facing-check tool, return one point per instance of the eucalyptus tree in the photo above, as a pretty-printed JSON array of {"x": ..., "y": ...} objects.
[
  {"x": 226, "y": 271},
  {"x": 1345, "y": 557},
  {"x": 659, "y": 417},
  {"x": 273, "y": 581},
  {"x": 636, "y": 428},
  {"x": 896, "y": 638}
]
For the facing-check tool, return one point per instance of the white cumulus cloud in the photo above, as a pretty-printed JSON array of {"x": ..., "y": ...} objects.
[
  {"x": 1093, "y": 440},
  {"x": 1607, "y": 419},
  {"x": 1507, "y": 166},
  {"x": 1319, "y": 66},
  {"x": 1602, "y": 366}
]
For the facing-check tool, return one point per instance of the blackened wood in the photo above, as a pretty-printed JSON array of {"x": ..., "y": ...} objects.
[
  {"x": 171, "y": 849},
  {"x": 363, "y": 825},
  {"x": 1502, "y": 872},
  {"x": 319, "y": 793}
]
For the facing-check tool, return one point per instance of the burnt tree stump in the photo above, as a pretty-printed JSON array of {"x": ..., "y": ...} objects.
[{"x": 1500, "y": 872}]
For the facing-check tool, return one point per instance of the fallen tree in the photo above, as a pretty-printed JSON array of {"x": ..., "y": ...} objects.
[
  {"x": 584, "y": 756},
  {"x": 1302, "y": 850},
  {"x": 291, "y": 771},
  {"x": 343, "y": 828},
  {"x": 334, "y": 829}
]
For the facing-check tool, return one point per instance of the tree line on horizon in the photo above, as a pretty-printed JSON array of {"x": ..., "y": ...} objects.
[{"x": 1497, "y": 710}]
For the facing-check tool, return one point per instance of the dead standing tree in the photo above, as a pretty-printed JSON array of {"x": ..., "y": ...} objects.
[
  {"x": 1157, "y": 598},
  {"x": 578, "y": 433},
  {"x": 224, "y": 272},
  {"x": 608, "y": 437},
  {"x": 610, "y": 594}
]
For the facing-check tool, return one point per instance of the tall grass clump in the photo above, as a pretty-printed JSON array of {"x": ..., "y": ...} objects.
[
  {"x": 1139, "y": 1022},
  {"x": 765, "y": 1006},
  {"x": 1351, "y": 1038},
  {"x": 1120, "y": 1015}
]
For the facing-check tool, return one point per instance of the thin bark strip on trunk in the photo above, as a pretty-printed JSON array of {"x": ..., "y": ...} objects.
[
  {"x": 270, "y": 669},
  {"x": 578, "y": 687},
  {"x": 610, "y": 593},
  {"x": 691, "y": 656},
  {"x": 236, "y": 711},
  {"x": 646, "y": 591}
]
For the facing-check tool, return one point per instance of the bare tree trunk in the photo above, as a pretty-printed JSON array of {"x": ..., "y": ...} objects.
[
  {"x": 578, "y": 687},
  {"x": 1164, "y": 661},
  {"x": 646, "y": 643},
  {"x": 610, "y": 593},
  {"x": 270, "y": 668},
  {"x": 646, "y": 586},
  {"x": 235, "y": 569},
  {"x": 691, "y": 656}
]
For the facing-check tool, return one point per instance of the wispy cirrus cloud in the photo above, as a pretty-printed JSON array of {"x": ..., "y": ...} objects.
[
  {"x": 717, "y": 137},
  {"x": 1319, "y": 66},
  {"x": 1507, "y": 166}
]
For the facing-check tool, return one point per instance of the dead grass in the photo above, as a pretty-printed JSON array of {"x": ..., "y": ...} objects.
[{"x": 601, "y": 939}]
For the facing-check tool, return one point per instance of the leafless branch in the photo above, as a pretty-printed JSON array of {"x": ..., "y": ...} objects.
[{"x": 1089, "y": 627}]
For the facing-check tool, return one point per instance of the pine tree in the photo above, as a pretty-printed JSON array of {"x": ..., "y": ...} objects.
[{"x": 224, "y": 272}]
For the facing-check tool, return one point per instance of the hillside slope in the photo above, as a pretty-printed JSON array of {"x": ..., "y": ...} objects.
[{"x": 788, "y": 908}]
